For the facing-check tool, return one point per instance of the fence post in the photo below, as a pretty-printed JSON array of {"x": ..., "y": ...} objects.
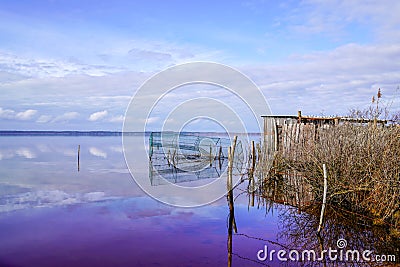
[
  {"x": 321, "y": 218},
  {"x": 79, "y": 152}
]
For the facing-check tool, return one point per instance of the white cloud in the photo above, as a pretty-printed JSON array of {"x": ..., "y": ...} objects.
[
  {"x": 7, "y": 113},
  {"x": 11, "y": 114},
  {"x": 39, "y": 68},
  {"x": 66, "y": 116},
  {"x": 97, "y": 152},
  {"x": 349, "y": 75},
  {"x": 98, "y": 115},
  {"x": 50, "y": 198},
  {"x": 6, "y": 154},
  {"x": 119, "y": 56},
  {"x": 44, "y": 119},
  {"x": 26, "y": 115},
  {"x": 26, "y": 153}
]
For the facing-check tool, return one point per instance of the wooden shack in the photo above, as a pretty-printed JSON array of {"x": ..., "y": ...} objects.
[{"x": 281, "y": 132}]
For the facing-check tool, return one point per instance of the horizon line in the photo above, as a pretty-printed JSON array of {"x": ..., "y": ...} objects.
[{"x": 93, "y": 132}]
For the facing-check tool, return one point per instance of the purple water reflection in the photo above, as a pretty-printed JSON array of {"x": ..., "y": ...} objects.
[
  {"x": 127, "y": 232},
  {"x": 51, "y": 215}
]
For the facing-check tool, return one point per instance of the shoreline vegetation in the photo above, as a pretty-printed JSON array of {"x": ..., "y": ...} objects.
[{"x": 363, "y": 169}]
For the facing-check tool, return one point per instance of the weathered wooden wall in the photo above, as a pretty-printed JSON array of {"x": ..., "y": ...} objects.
[
  {"x": 296, "y": 134},
  {"x": 284, "y": 134}
]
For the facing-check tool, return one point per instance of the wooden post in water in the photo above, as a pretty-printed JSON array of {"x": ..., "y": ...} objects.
[
  {"x": 211, "y": 157},
  {"x": 253, "y": 155},
  {"x": 151, "y": 146},
  {"x": 229, "y": 178},
  {"x": 229, "y": 184},
  {"x": 251, "y": 172},
  {"x": 219, "y": 157},
  {"x": 252, "y": 191},
  {"x": 230, "y": 225},
  {"x": 231, "y": 154},
  {"x": 79, "y": 152},
  {"x": 321, "y": 218},
  {"x": 173, "y": 158}
]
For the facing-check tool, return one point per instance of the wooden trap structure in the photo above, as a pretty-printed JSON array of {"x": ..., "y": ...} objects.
[{"x": 185, "y": 157}]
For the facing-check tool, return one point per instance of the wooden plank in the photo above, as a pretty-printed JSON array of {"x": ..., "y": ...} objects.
[{"x": 293, "y": 140}]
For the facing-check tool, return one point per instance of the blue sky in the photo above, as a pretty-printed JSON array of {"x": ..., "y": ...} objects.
[{"x": 74, "y": 65}]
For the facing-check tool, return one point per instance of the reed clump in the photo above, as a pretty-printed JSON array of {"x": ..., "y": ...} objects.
[{"x": 363, "y": 164}]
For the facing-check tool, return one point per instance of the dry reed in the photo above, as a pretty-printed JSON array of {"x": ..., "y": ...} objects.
[{"x": 363, "y": 164}]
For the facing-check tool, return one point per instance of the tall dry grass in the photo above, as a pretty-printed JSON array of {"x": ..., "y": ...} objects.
[{"x": 363, "y": 165}]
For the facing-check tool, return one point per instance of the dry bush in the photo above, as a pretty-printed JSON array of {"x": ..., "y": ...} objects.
[{"x": 363, "y": 165}]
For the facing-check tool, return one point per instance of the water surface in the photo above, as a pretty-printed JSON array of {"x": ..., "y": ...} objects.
[{"x": 53, "y": 215}]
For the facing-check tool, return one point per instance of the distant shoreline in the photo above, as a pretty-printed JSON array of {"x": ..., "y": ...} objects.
[
  {"x": 64, "y": 133},
  {"x": 90, "y": 133}
]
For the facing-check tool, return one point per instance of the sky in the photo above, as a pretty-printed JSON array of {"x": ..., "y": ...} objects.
[{"x": 75, "y": 65}]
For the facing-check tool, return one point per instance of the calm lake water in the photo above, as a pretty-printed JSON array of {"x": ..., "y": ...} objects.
[{"x": 53, "y": 215}]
